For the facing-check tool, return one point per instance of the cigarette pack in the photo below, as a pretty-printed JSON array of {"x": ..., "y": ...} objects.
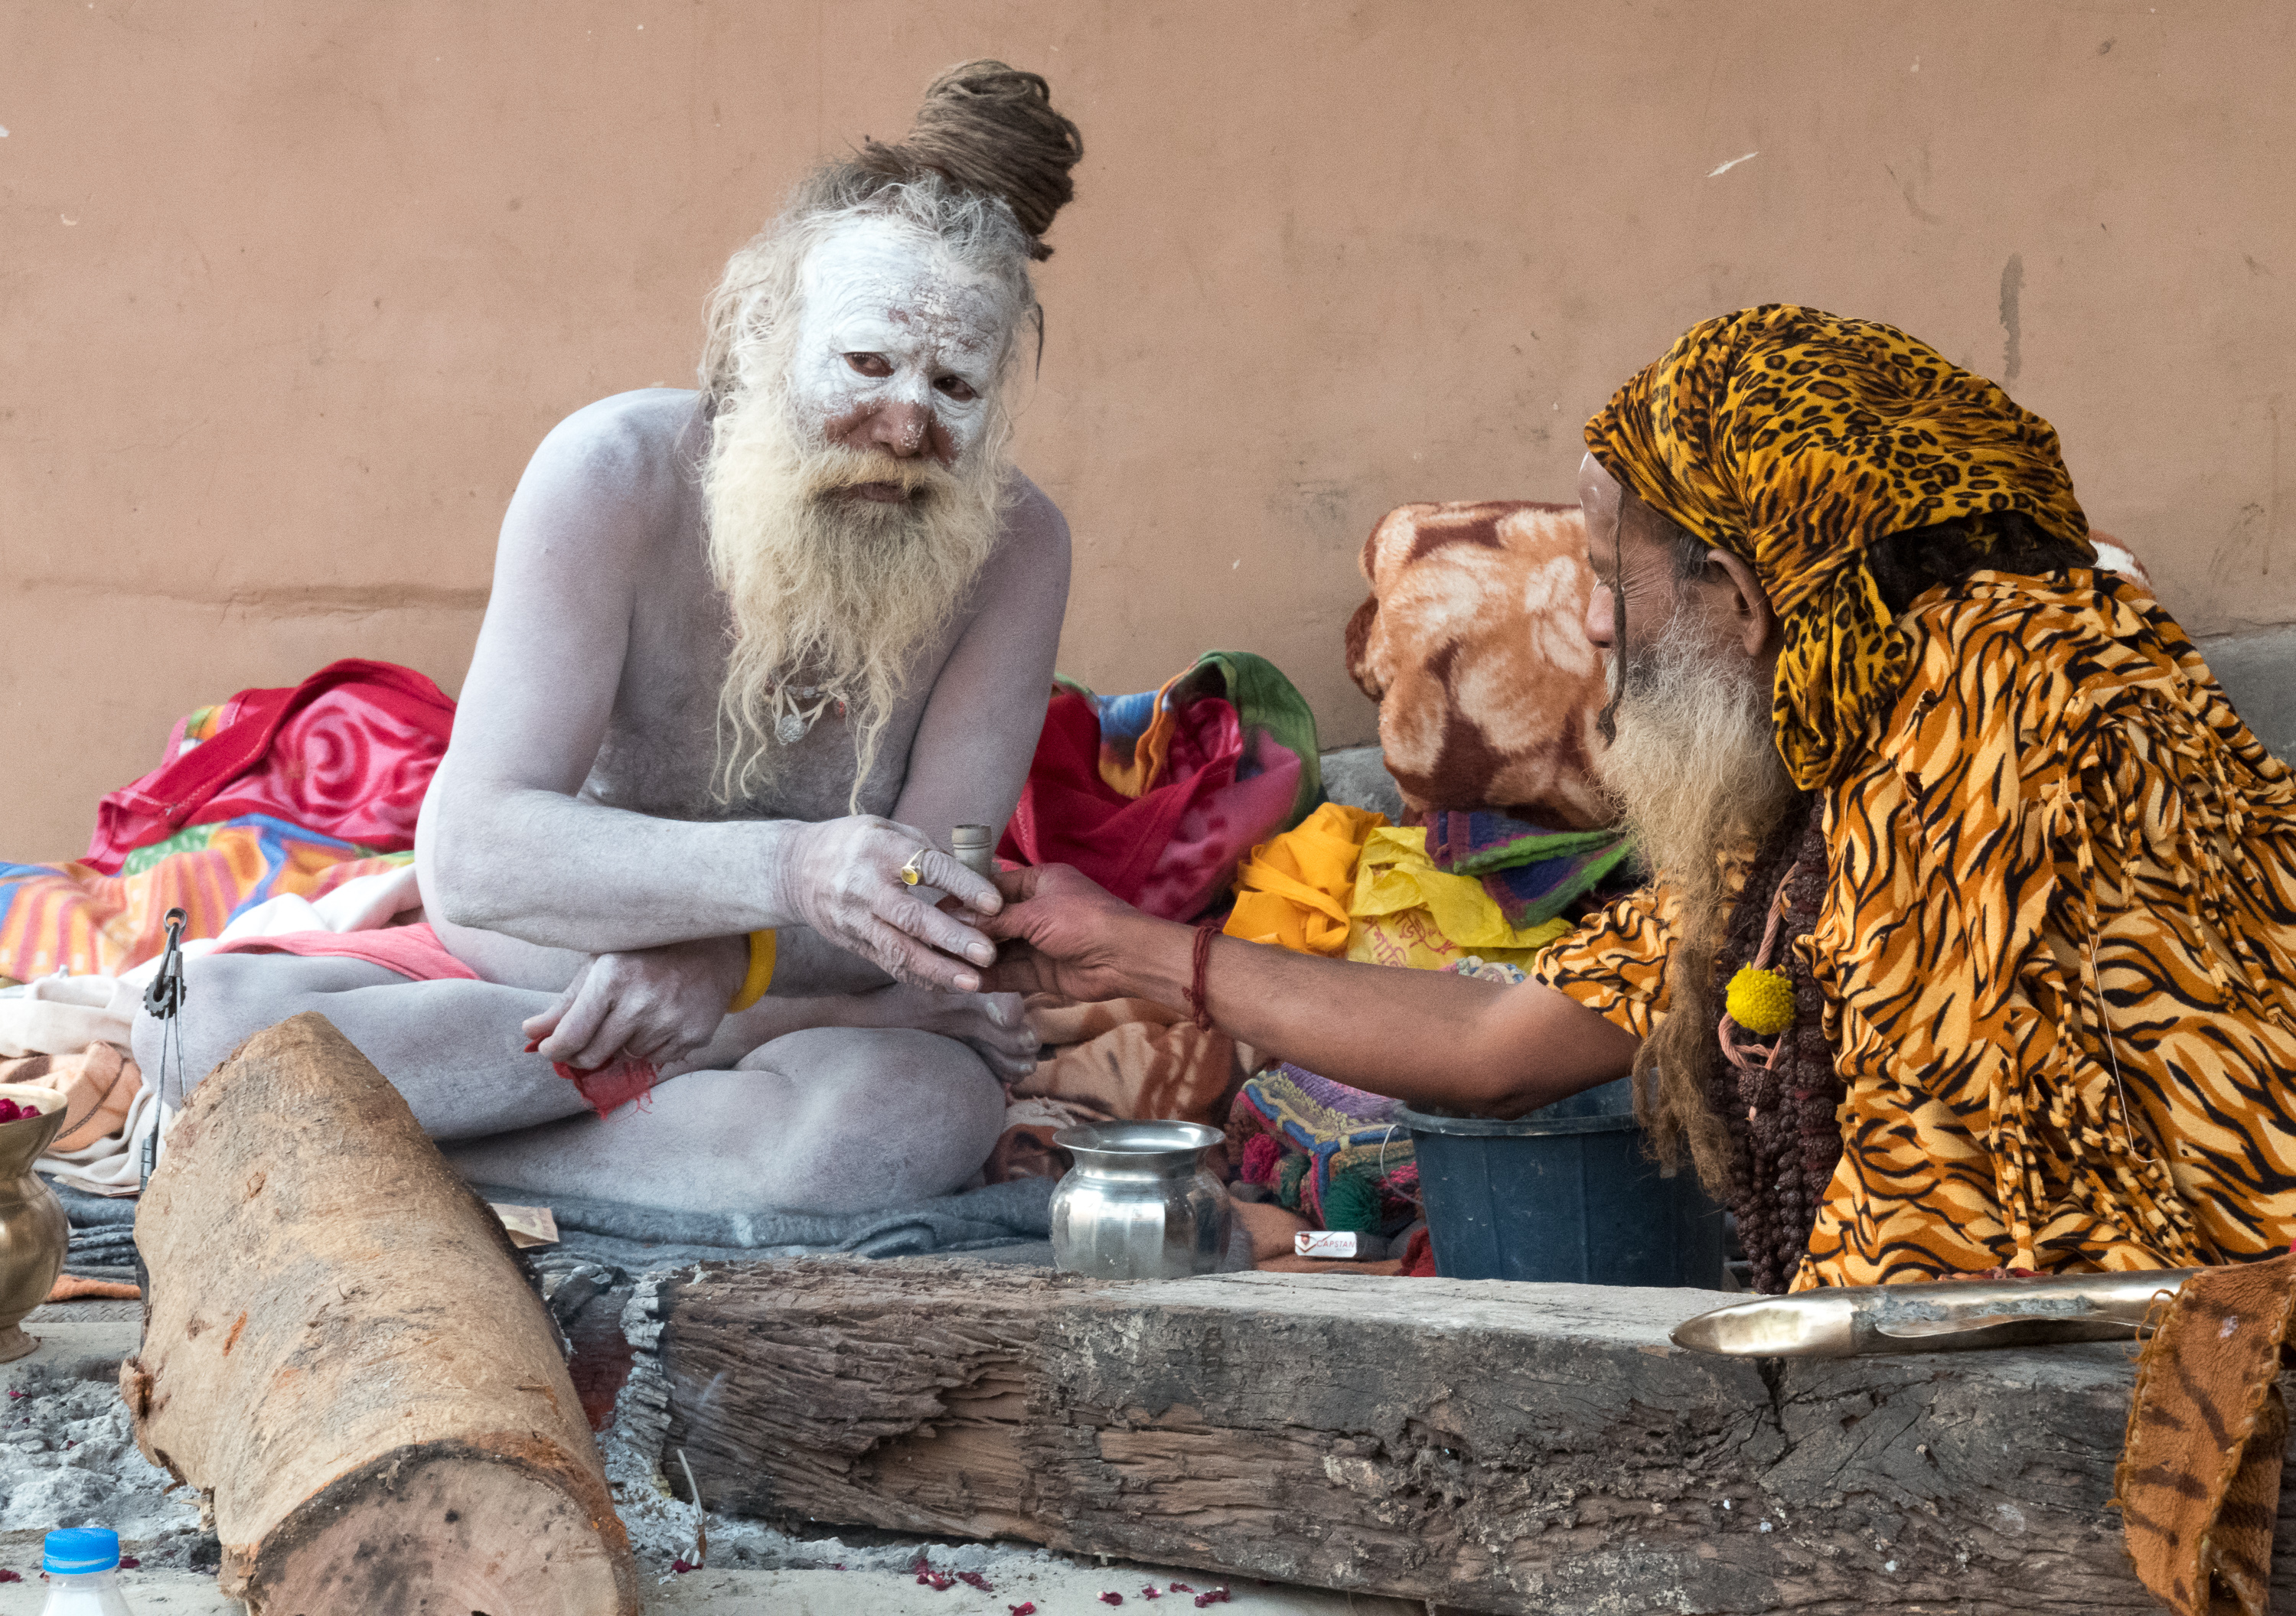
[{"x": 1337, "y": 1245}]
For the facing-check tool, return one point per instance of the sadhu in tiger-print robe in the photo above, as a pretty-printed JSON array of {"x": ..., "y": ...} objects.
[
  {"x": 2056, "y": 947},
  {"x": 2063, "y": 875}
]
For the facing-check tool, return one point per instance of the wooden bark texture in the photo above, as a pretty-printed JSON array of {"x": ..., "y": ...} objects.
[
  {"x": 341, "y": 1353},
  {"x": 1482, "y": 1446}
]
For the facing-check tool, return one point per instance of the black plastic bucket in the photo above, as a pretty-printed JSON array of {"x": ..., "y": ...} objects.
[{"x": 1564, "y": 1194}]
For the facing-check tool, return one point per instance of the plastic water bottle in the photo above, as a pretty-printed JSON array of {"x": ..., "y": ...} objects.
[{"x": 83, "y": 1568}]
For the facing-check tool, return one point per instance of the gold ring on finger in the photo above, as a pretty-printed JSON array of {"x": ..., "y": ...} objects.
[{"x": 910, "y": 872}]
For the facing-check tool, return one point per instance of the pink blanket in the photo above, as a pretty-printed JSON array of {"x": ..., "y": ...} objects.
[
  {"x": 413, "y": 952},
  {"x": 347, "y": 753}
]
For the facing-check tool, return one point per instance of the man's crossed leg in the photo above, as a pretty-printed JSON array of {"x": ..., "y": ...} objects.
[{"x": 815, "y": 1118}]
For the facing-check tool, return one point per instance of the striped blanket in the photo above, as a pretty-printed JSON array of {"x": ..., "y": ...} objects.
[{"x": 72, "y": 917}]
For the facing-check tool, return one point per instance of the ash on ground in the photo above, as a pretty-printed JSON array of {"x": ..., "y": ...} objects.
[{"x": 68, "y": 1457}]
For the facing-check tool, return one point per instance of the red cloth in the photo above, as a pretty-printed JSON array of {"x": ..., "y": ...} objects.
[
  {"x": 349, "y": 753},
  {"x": 1172, "y": 850},
  {"x": 1419, "y": 1256},
  {"x": 604, "y": 1088},
  {"x": 415, "y": 952}
]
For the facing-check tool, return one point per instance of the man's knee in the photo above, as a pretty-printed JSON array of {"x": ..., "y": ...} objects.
[
  {"x": 227, "y": 999},
  {"x": 892, "y": 1113}
]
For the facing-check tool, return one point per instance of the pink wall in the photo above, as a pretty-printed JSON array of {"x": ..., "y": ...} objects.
[{"x": 288, "y": 292}]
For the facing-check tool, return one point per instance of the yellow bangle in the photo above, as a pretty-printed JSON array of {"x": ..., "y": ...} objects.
[{"x": 761, "y": 973}]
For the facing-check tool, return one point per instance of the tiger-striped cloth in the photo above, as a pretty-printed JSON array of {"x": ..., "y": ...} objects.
[
  {"x": 2057, "y": 952},
  {"x": 2198, "y": 1486}
]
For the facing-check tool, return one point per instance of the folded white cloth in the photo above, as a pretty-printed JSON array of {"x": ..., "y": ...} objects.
[
  {"x": 366, "y": 904},
  {"x": 112, "y": 1165},
  {"x": 63, "y": 1014}
]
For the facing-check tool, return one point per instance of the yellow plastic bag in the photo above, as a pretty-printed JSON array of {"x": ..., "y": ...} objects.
[
  {"x": 1293, "y": 890},
  {"x": 1405, "y": 911}
]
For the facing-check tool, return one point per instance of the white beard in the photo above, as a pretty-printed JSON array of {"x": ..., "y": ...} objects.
[{"x": 828, "y": 589}]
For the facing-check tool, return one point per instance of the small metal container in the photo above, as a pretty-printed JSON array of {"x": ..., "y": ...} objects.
[
  {"x": 1138, "y": 1203},
  {"x": 974, "y": 846}
]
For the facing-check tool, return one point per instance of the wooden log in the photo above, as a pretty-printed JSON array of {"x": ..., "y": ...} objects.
[
  {"x": 1482, "y": 1446},
  {"x": 341, "y": 1354}
]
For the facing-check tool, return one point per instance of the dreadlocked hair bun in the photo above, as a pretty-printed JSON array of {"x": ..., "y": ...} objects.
[{"x": 990, "y": 128}]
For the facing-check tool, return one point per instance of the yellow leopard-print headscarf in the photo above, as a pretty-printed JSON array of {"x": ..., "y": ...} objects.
[{"x": 1795, "y": 438}]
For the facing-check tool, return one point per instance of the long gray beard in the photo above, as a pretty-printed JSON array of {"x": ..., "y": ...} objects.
[
  {"x": 1695, "y": 774},
  {"x": 837, "y": 595},
  {"x": 1695, "y": 769}
]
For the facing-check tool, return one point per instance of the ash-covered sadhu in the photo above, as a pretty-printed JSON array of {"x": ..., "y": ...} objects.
[{"x": 2031, "y": 878}]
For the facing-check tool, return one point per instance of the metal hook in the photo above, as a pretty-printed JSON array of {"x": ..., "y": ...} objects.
[
  {"x": 163, "y": 1001},
  {"x": 164, "y": 997}
]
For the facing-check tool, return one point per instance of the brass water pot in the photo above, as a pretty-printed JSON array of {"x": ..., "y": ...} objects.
[{"x": 33, "y": 1233}]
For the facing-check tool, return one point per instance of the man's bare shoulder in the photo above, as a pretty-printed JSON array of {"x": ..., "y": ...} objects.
[
  {"x": 1034, "y": 529},
  {"x": 630, "y": 440},
  {"x": 616, "y": 479}
]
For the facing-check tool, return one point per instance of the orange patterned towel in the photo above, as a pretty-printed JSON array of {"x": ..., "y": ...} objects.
[
  {"x": 1474, "y": 644},
  {"x": 2199, "y": 1482}
]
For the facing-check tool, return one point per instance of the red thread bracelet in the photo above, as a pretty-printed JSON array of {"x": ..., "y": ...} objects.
[{"x": 1203, "y": 959}]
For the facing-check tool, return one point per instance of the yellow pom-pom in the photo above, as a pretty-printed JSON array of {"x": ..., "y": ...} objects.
[{"x": 1760, "y": 1001}]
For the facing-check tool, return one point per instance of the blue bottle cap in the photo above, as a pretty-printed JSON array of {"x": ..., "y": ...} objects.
[{"x": 79, "y": 1550}]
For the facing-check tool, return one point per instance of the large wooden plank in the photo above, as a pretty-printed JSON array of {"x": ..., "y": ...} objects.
[{"x": 1490, "y": 1447}]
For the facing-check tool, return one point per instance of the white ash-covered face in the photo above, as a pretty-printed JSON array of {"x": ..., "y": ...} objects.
[{"x": 897, "y": 345}]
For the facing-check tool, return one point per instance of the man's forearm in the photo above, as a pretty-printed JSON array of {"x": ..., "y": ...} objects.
[
  {"x": 1425, "y": 1037},
  {"x": 565, "y": 873},
  {"x": 806, "y": 964}
]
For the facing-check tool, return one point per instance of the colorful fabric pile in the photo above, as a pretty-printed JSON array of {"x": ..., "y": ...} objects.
[
  {"x": 76, "y": 918},
  {"x": 349, "y": 753},
  {"x": 1533, "y": 874},
  {"x": 1156, "y": 795},
  {"x": 1336, "y": 1155},
  {"x": 294, "y": 791},
  {"x": 278, "y": 810},
  {"x": 1407, "y": 912},
  {"x": 1347, "y": 883}
]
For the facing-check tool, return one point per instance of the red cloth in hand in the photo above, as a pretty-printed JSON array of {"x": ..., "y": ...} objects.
[
  {"x": 604, "y": 1088},
  {"x": 349, "y": 753}
]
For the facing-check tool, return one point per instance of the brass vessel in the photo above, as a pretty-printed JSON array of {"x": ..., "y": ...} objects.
[{"x": 33, "y": 1233}]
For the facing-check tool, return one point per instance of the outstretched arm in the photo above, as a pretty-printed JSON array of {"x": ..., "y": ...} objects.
[
  {"x": 1424, "y": 1037},
  {"x": 507, "y": 843}
]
